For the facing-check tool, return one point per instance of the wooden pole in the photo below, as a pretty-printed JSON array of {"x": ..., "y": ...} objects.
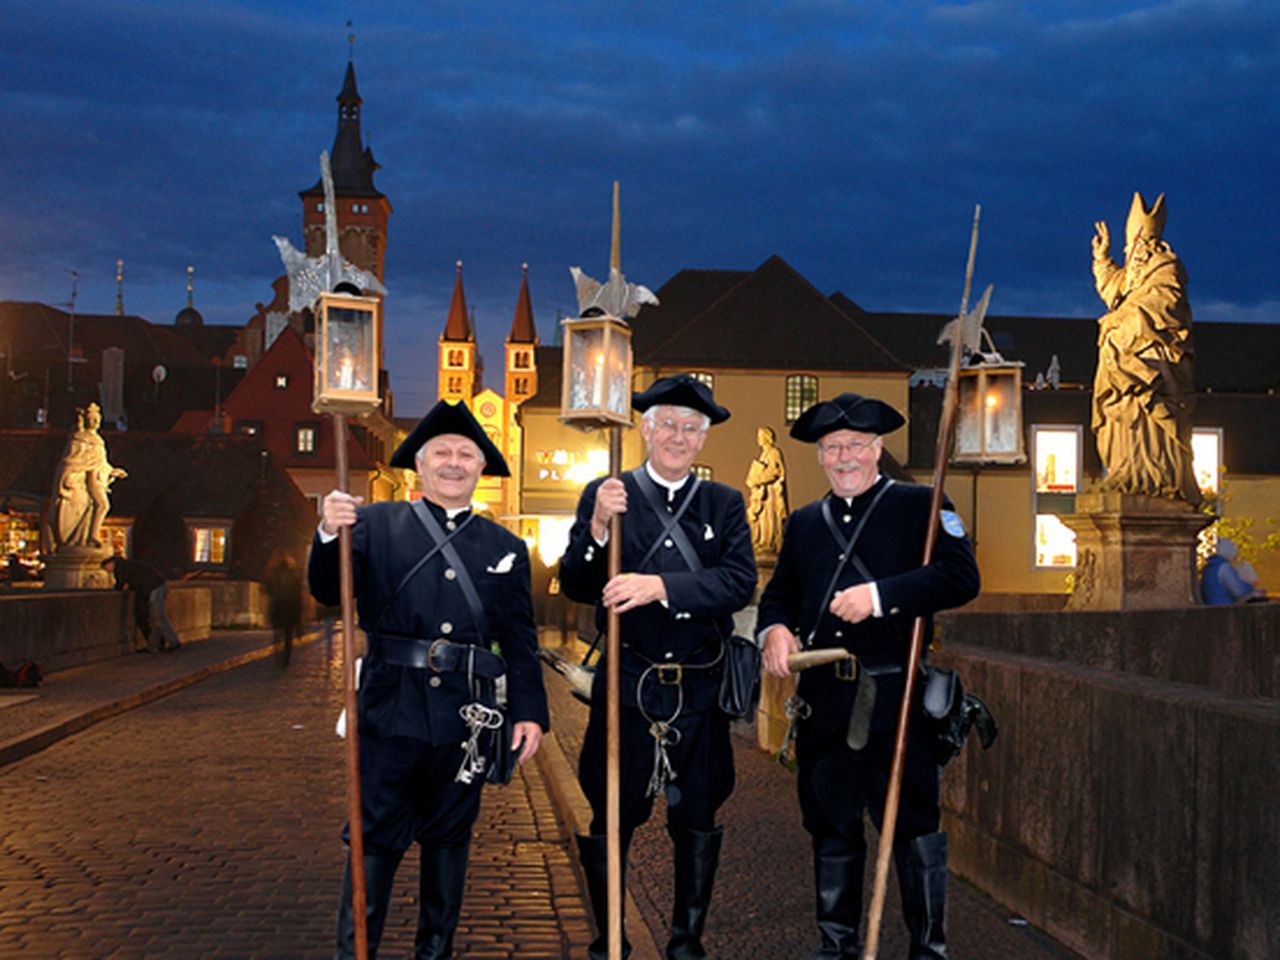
[
  {"x": 355, "y": 819},
  {"x": 942, "y": 454},
  {"x": 612, "y": 814}
]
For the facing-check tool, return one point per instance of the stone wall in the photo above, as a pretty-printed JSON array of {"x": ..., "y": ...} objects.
[
  {"x": 1128, "y": 805},
  {"x": 59, "y": 630},
  {"x": 234, "y": 604}
]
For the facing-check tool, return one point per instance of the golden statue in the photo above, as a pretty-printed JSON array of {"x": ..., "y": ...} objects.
[
  {"x": 81, "y": 484},
  {"x": 1144, "y": 388},
  {"x": 767, "y": 495}
]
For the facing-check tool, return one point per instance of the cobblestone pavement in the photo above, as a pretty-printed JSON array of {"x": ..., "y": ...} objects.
[
  {"x": 763, "y": 903},
  {"x": 205, "y": 825}
]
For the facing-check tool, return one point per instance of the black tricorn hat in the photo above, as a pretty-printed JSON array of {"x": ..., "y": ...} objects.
[
  {"x": 446, "y": 417},
  {"x": 849, "y": 411},
  {"x": 681, "y": 390}
]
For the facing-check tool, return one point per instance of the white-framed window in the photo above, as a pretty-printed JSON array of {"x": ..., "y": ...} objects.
[
  {"x": 1206, "y": 454},
  {"x": 1057, "y": 456},
  {"x": 708, "y": 380},
  {"x": 210, "y": 543},
  {"x": 800, "y": 393},
  {"x": 304, "y": 438}
]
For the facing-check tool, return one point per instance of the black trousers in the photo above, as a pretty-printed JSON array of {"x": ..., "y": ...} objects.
[
  {"x": 837, "y": 784},
  {"x": 702, "y": 759},
  {"x": 408, "y": 793}
]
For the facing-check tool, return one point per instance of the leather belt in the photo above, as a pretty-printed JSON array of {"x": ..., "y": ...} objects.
[
  {"x": 845, "y": 669},
  {"x": 439, "y": 656}
]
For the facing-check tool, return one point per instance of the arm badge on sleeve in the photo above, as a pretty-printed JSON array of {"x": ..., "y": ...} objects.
[{"x": 952, "y": 523}]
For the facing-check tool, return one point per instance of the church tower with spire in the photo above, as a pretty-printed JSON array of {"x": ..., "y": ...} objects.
[
  {"x": 362, "y": 208},
  {"x": 522, "y": 369},
  {"x": 456, "y": 370}
]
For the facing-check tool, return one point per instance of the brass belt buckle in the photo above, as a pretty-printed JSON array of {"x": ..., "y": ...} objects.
[
  {"x": 846, "y": 669},
  {"x": 670, "y": 674},
  {"x": 431, "y": 655}
]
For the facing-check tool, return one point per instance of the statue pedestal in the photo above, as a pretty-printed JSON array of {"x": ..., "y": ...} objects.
[
  {"x": 78, "y": 568},
  {"x": 1134, "y": 552}
]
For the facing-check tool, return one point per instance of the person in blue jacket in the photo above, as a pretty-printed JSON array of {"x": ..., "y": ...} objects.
[
  {"x": 849, "y": 575},
  {"x": 438, "y": 589}
]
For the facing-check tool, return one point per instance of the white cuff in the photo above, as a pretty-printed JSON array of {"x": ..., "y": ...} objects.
[
  {"x": 876, "y": 609},
  {"x": 325, "y": 537}
]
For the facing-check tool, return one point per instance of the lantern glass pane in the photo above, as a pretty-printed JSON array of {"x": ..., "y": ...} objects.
[
  {"x": 968, "y": 439},
  {"x": 349, "y": 349},
  {"x": 619, "y": 382},
  {"x": 586, "y": 374},
  {"x": 1000, "y": 415}
]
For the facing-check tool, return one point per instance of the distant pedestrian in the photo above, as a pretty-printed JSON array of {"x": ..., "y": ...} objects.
[
  {"x": 149, "y": 589},
  {"x": 849, "y": 576},
  {"x": 284, "y": 590}
]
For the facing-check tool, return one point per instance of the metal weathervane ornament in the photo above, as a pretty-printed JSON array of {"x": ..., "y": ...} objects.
[{"x": 309, "y": 277}]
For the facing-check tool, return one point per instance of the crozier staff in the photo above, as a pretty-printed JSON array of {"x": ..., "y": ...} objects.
[
  {"x": 686, "y": 553},
  {"x": 437, "y": 587},
  {"x": 849, "y": 575}
]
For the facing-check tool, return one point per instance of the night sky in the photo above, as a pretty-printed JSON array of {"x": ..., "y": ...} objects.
[{"x": 851, "y": 138}]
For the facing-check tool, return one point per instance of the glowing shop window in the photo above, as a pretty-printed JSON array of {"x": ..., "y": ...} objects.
[
  {"x": 210, "y": 544},
  {"x": 1057, "y": 453},
  {"x": 1055, "y": 542},
  {"x": 1206, "y": 459}
]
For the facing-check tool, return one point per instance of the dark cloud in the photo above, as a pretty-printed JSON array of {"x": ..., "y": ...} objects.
[{"x": 852, "y": 139}]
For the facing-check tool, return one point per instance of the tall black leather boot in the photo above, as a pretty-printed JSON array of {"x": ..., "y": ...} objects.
[
  {"x": 922, "y": 879},
  {"x": 593, "y": 852},
  {"x": 837, "y": 884},
  {"x": 697, "y": 855},
  {"x": 440, "y": 886},
  {"x": 379, "y": 876}
]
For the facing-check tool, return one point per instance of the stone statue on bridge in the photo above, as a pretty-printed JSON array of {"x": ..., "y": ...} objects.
[
  {"x": 82, "y": 484},
  {"x": 766, "y": 495},
  {"x": 1144, "y": 389}
]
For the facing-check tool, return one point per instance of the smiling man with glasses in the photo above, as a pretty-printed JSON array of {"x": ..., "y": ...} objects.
[
  {"x": 686, "y": 553},
  {"x": 849, "y": 576}
]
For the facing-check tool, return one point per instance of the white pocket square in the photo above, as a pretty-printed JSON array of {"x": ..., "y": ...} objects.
[
  {"x": 708, "y": 533},
  {"x": 503, "y": 565}
]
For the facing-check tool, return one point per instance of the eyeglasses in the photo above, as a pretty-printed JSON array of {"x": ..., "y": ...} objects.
[
  {"x": 855, "y": 447},
  {"x": 688, "y": 430}
]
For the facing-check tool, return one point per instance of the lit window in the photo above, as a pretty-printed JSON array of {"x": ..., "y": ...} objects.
[
  {"x": 1055, "y": 542},
  {"x": 319, "y": 206},
  {"x": 209, "y": 544},
  {"x": 708, "y": 380},
  {"x": 702, "y": 471},
  {"x": 305, "y": 439},
  {"x": 801, "y": 394},
  {"x": 1056, "y": 454},
  {"x": 240, "y": 361},
  {"x": 1206, "y": 458},
  {"x": 282, "y": 381},
  {"x": 250, "y": 428},
  {"x": 455, "y": 359}
]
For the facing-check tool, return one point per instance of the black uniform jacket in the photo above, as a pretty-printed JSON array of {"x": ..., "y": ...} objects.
[
  {"x": 387, "y": 540},
  {"x": 890, "y": 547},
  {"x": 700, "y": 606}
]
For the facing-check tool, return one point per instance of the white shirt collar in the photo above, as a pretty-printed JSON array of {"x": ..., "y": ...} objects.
[{"x": 670, "y": 485}]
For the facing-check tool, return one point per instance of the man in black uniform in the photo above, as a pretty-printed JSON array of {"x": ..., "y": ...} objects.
[
  {"x": 676, "y": 599},
  {"x": 436, "y": 588},
  {"x": 827, "y": 591}
]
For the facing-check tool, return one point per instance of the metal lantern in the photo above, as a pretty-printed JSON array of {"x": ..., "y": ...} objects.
[
  {"x": 347, "y": 351},
  {"x": 596, "y": 389},
  {"x": 989, "y": 414}
]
